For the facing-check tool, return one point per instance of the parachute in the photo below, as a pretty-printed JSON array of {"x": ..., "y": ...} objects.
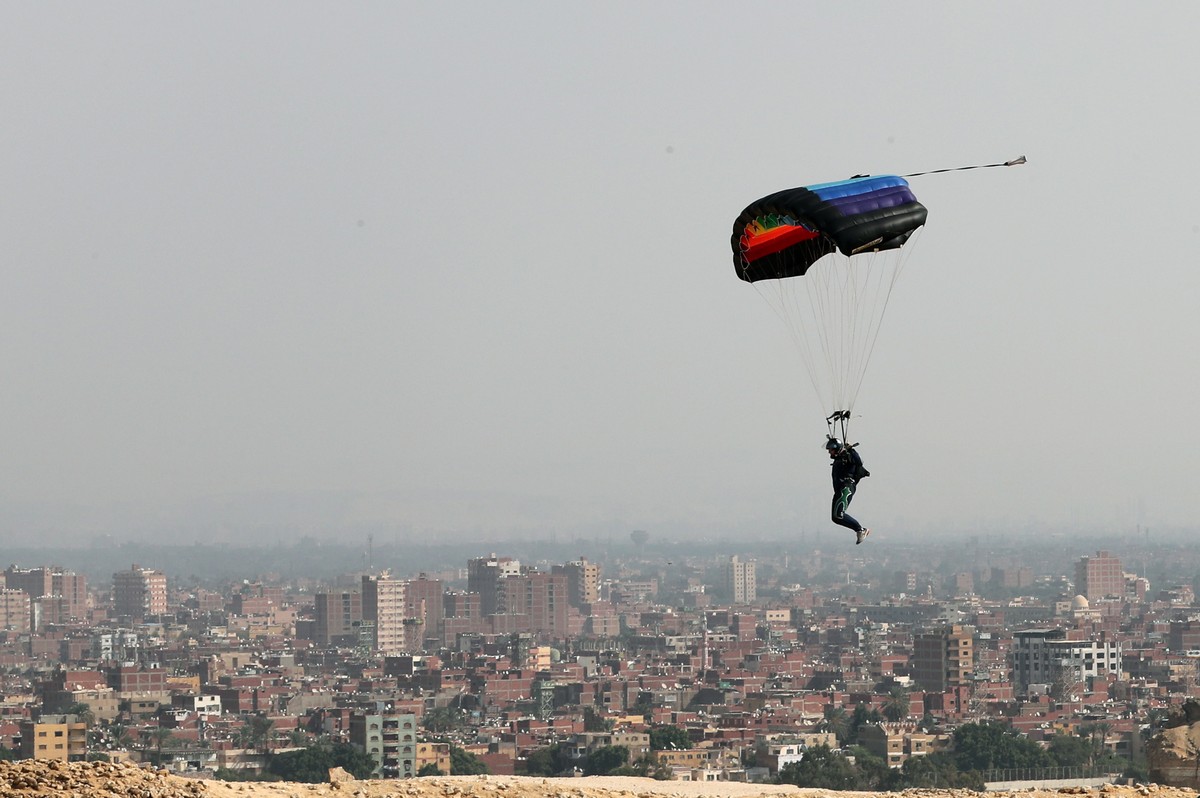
[{"x": 826, "y": 258}]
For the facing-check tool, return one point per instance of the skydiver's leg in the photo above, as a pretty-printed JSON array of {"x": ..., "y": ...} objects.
[{"x": 841, "y": 500}]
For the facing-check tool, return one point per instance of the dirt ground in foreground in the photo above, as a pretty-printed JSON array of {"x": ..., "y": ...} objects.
[{"x": 28, "y": 778}]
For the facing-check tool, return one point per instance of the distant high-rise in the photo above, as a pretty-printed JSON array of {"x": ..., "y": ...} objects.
[
  {"x": 383, "y": 605},
  {"x": 740, "y": 581},
  {"x": 338, "y": 617},
  {"x": 538, "y": 599},
  {"x": 1046, "y": 656},
  {"x": 15, "y": 613},
  {"x": 943, "y": 658},
  {"x": 583, "y": 581},
  {"x": 139, "y": 593},
  {"x": 423, "y": 605},
  {"x": 484, "y": 575},
  {"x": 41, "y": 582},
  {"x": 1099, "y": 577}
]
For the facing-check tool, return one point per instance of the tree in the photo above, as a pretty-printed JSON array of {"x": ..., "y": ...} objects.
[
  {"x": 442, "y": 719},
  {"x": 594, "y": 722},
  {"x": 836, "y": 721},
  {"x": 864, "y": 715},
  {"x": 429, "y": 769},
  {"x": 936, "y": 770},
  {"x": 994, "y": 746},
  {"x": 548, "y": 760},
  {"x": 120, "y": 735},
  {"x": 464, "y": 763},
  {"x": 873, "y": 772},
  {"x": 82, "y": 711},
  {"x": 665, "y": 736},
  {"x": 1069, "y": 750},
  {"x": 260, "y": 732},
  {"x": 821, "y": 767},
  {"x": 896, "y": 707},
  {"x": 160, "y": 736},
  {"x": 604, "y": 760},
  {"x": 311, "y": 765}
]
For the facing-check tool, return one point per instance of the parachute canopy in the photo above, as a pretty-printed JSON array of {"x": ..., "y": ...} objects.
[
  {"x": 832, "y": 309},
  {"x": 783, "y": 234}
]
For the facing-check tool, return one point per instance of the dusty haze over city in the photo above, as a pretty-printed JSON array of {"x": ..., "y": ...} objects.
[{"x": 422, "y": 269}]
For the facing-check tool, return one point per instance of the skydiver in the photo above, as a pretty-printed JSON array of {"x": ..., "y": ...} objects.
[{"x": 847, "y": 471}]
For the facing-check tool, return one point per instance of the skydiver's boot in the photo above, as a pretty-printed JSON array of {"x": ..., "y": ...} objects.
[{"x": 861, "y": 536}]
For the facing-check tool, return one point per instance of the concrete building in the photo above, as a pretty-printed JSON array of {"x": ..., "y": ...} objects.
[
  {"x": 1045, "y": 656},
  {"x": 383, "y": 606},
  {"x": 436, "y": 754},
  {"x": 338, "y": 618},
  {"x": 423, "y": 603},
  {"x": 139, "y": 593},
  {"x": 61, "y": 737},
  {"x": 46, "y": 582},
  {"x": 390, "y": 739},
  {"x": 16, "y": 614},
  {"x": 484, "y": 575},
  {"x": 943, "y": 657},
  {"x": 539, "y": 598},
  {"x": 583, "y": 582},
  {"x": 740, "y": 581},
  {"x": 1099, "y": 577},
  {"x": 896, "y": 743}
]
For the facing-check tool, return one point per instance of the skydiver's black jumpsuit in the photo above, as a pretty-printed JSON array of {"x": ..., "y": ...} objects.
[{"x": 847, "y": 470}]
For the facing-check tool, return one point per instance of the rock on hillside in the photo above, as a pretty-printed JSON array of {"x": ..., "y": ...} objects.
[{"x": 1174, "y": 756}]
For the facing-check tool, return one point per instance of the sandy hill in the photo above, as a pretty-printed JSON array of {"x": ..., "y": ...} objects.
[{"x": 104, "y": 780}]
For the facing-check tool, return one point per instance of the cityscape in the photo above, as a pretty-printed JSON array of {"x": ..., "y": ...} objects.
[{"x": 520, "y": 661}]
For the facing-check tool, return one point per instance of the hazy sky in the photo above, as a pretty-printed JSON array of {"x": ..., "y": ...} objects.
[{"x": 438, "y": 267}]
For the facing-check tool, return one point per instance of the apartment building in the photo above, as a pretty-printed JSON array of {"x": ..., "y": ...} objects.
[{"x": 139, "y": 593}]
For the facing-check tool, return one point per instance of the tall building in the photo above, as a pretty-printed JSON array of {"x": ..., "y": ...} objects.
[
  {"x": 484, "y": 575},
  {"x": 423, "y": 605},
  {"x": 41, "y": 582},
  {"x": 536, "y": 600},
  {"x": 1045, "y": 656},
  {"x": 383, "y": 605},
  {"x": 943, "y": 658},
  {"x": 1099, "y": 577},
  {"x": 338, "y": 617},
  {"x": 139, "y": 593},
  {"x": 740, "y": 581},
  {"x": 583, "y": 581},
  {"x": 390, "y": 739},
  {"x": 15, "y": 611}
]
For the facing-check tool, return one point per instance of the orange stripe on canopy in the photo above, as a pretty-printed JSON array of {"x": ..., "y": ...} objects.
[{"x": 774, "y": 240}]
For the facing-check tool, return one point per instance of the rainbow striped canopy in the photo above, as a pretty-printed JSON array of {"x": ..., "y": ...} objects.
[{"x": 784, "y": 233}]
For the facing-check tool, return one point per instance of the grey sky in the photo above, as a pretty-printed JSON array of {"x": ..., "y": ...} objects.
[{"x": 437, "y": 266}]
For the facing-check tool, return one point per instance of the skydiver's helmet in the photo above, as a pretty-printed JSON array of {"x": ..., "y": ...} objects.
[{"x": 833, "y": 445}]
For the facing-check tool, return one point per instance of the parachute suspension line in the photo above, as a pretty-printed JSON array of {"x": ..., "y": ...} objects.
[
  {"x": 1014, "y": 162},
  {"x": 781, "y": 298},
  {"x": 882, "y": 298}
]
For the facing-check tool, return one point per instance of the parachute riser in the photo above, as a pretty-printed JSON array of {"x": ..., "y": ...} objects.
[{"x": 838, "y": 422}]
